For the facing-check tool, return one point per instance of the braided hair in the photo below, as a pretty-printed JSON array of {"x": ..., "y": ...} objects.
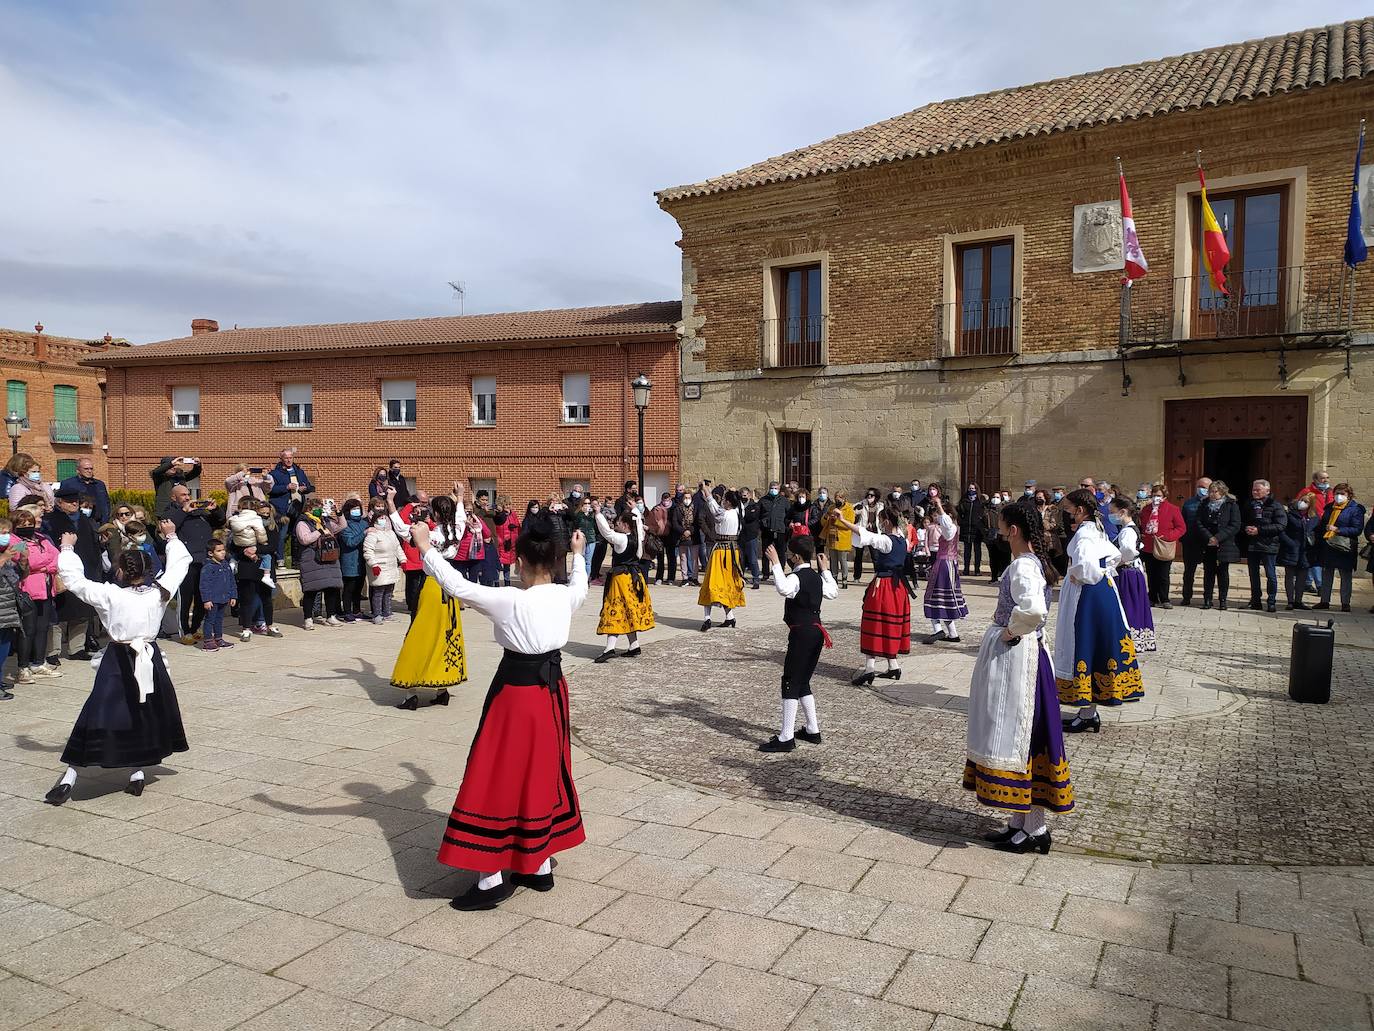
[
  {"x": 132, "y": 566},
  {"x": 1086, "y": 499},
  {"x": 538, "y": 544},
  {"x": 1024, "y": 516},
  {"x": 445, "y": 512}
]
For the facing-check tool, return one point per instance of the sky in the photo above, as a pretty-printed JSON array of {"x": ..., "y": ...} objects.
[{"x": 301, "y": 161}]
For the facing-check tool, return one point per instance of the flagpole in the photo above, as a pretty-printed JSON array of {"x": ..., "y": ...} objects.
[{"x": 1360, "y": 147}]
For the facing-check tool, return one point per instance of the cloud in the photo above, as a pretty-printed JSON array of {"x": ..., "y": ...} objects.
[{"x": 266, "y": 162}]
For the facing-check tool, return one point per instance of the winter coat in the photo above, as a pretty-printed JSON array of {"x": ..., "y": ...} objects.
[
  {"x": 280, "y": 491},
  {"x": 382, "y": 556},
  {"x": 247, "y": 529},
  {"x": 23, "y": 487},
  {"x": 217, "y": 583},
  {"x": 866, "y": 516},
  {"x": 1194, "y": 540},
  {"x": 88, "y": 547},
  {"x": 703, "y": 523},
  {"x": 837, "y": 537},
  {"x": 317, "y": 575},
  {"x": 969, "y": 516},
  {"x": 1299, "y": 528},
  {"x": 1269, "y": 518},
  {"x": 410, "y": 555},
  {"x": 507, "y": 534},
  {"x": 773, "y": 513},
  {"x": 246, "y": 485},
  {"x": 351, "y": 546},
  {"x": 1167, "y": 521},
  {"x": 749, "y": 522},
  {"x": 680, "y": 519},
  {"x": 164, "y": 480},
  {"x": 96, "y": 491},
  {"x": 1349, "y": 522},
  {"x": 1223, "y": 524},
  {"x": 43, "y": 555},
  {"x": 9, "y": 593}
]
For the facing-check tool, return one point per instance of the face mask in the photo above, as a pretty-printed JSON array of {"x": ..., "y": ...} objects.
[
  {"x": 772, "y": 492},
  {"x": 1157, "y": 498},
  {"x": 802, "y": 499},
  {"x": 86, "y": 512},
  {"x": 35, "y": 475},
  {"x": 915, "y": 486},
  {"x": 823, "y": 496},
  {"x": 1324, "y": 485},
  {"x": 1059, "y": 495},
  {"x": 380, "y": 523},
  {"x": 4, "y": 540},
  {"x": 577, "y": 494},
  {"x": 896, "y": 494},
  {"x": 972, "y": 494},
  {"x": 354, "y": 513},
  {"x": 1302, "y": 506},
  {"x": 1029, "y": 492},
  {"x": 1141, "y": 495},
  {"x": 139, "y": 538},
  {"x": 1116, "y": 517},
  {"x": 1202, "y": 492},
  {"x": 1341, "y": 499}
]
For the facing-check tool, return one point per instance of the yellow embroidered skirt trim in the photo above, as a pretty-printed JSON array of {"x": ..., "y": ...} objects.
[
  {"x": 1047, "y": 785},
  {"x": 724, "y": 582},
  {"x": 1114, "y": 687},
  {"x": 433, "y": 656},
  {"x": 621, "y": 610}
]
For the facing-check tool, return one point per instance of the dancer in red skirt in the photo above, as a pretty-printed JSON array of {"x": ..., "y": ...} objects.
[
  {"x": 885, "y": 629},
  {"x": 517, "y": 805}
]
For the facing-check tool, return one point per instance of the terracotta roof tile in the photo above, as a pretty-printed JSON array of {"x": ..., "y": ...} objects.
[
  {"x": 621, "y": 320},
  {"x": 1221, "y": 75}
]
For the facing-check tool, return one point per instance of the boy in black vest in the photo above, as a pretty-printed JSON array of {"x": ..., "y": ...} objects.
[{"x": 804, "y": 589}]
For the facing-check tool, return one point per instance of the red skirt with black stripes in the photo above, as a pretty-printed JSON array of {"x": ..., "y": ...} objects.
[
  {"x": 885, "y": 627},
  {"x": 517, "y": 805}
]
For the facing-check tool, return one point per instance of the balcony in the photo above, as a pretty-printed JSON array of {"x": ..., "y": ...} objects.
[
  {"x": 71, "y": 432},
  {"x": 1305, "y": 303},
  {"x": 978, "y": 328},
  {"x": 798, "y": 342}
]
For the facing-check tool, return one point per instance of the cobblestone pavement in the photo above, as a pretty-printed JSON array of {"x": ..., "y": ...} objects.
[{"x": 281, "y": 875}]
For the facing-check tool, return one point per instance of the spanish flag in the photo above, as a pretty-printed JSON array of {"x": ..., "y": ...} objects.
[{"x": 1215, "y": 253}]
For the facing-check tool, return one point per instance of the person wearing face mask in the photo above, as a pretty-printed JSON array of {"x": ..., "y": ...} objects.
[
  {"x": 970, "y": 516},
  {"x": 1297, "y": 542},
  {"x": 1338, "y": 537},
  {"x": 999, "y": 552},
  {"x": 1262, "y": 520},
  {"x": 351, "y": 559},
  {"x": 749, "y": 537},
  {"x": 772, "y": 517},
  {"x": 27, "y": 480},
  {"x": 14, "y": 566},
  {"x": 681, "y": 518},
  {"x": 866, "y": 517},
  {"x": 1194, "y": 540},
  {"x": 1161, "y": 528},
  {"x": 73, "y": 616},
  {"x": 86, "y": 482},
  {"x": 1219, "y": 522},
  {"x": 1130, "y": 578},
  {"x": 507, "y": 532},
  {"x": 917, "y": 496},
  {"x": 703, "y": 528},
  {"x": 1318, "y": 495}
]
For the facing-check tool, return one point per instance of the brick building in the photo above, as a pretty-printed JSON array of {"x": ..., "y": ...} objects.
[
  {"x": 62, "y": 399},
  {"x": 521, "y": 402},
  {"x": 939, "y": 293}
]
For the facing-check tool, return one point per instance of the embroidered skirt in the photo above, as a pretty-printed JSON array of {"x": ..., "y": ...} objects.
[
  {"x": 115, "y": 729},
  {"x": 1104, "y": 658},
  {"x": 1135, "y": 600},
  {"x": 433, "y": 656},
  {"x": 517, "y": 805},
  {"x": 1046, "y": 781},
  {"x": 723, "y": 583},
  {"x": 622, "y": 609},
  {"x": 944, "y": 598},
  {"x": 885, "y": 626}
]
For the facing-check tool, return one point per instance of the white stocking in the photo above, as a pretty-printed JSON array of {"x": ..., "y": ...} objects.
[
  {"x": 808, "y": 703},
  {"x": 706, "y": 611},
  {"x": 632, "y": 639},
  {"x": 490, "y": 881},
  {"x": 69, "y": 777},
  {"x": 789, "y": 719},
  {"x": 729, "y": 613},
  {"x": 611, "y": 641},
  {"x": 936, "y": 626},
  {"x": 545, "y": 867},
  {"x": 892, "y": 664},
  {"x": 137, "y": 775},
  {"x": 1035, "y": 821},
  {"x": 870, "y": 664},
  {"x": 952, "y": 627}
]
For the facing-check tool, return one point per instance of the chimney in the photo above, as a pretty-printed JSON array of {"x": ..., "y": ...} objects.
[{"x": 199, "y": 326}]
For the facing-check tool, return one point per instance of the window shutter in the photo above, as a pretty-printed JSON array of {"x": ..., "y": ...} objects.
[
  {"x": 17, "y": 398},
  {"x": 64, "y": 404}
]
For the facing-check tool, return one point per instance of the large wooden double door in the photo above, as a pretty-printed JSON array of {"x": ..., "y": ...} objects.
[{"x": 1236, "y": 439}]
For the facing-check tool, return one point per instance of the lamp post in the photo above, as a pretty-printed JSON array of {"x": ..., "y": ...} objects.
[
  {"x": 14, "y": 426},
  {"x": 641, "y": 387}
]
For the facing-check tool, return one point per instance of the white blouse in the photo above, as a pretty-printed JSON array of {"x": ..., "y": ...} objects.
[
  {"x": 1026, "y": 581},
  {"x": 946, "y": 526},
  {"x": 530, "y": 620},
  {"x": 788, "y": 584},
  {"x": 1128, "y": 543},
  {"x": 437, "y": 536},
  {"x": 727, "y": 519},
  {"x": 618, "y": 540},
  {"x": 879, "y": 542},
  {"x": 1087, "y": 550}
]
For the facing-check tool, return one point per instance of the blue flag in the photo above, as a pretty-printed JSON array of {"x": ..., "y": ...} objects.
[{"x": 1355, "y": 249}]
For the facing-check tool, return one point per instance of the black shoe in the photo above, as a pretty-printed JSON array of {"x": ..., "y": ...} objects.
[
  {"x": 440, "y": 699},
  {"x": 58, "y": 793},
  {"x": 412, "y": 703},
  {"x": 774, "y": 745},
  {"x": 1027, "y": 843},
  {"x": 729, "y": 623},
  {"x": 891, "y": 674},
  {"x": 939, "y": 635},
  {"x": 537, "y": 881},
  {"x": 1289, "y": 607},
  {"x": 755, "y": 587},
  {"x": 1270, "y": 607},
  {"x": 1005, "y": 834},
  {"x": 605, "y": 656},
  {"x": 1206, "y": 604},
  {"x": 953, "y": 640},
  {"x": 1221, "y": 605},
  {"x": 1303, "y": 606},
  {"x": 81, "y": 656},
  {"x": 1079, "y": 725},
  {"x": 863, "y": 679},
  {"x": 53, "y": 660},
  {"x": 1321, "y": 606},
  {"x": 844, "y": 586},
  {"x": 5, "y": 696},
  {"x": 705, "y": 625},
  {"x": 475, "y": 899},
  {"x": 1185, "y": 602},
  {"x": 134, "y": 787},
  {"x": 808, "y": 737},
  {"x": 1165, "y": 605},
  {"x": 1345, "y": 608},
  {"x": 1257, "y": 606},
  {"x": 633, "y": 653}
]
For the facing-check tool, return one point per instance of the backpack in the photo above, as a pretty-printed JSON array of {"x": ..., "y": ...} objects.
[{"x": 656, "y": 521}]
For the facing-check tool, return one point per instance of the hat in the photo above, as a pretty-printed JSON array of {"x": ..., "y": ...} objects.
[
  {"x": 1030, "y": 483},
  {"x": 67, "y": 493}
]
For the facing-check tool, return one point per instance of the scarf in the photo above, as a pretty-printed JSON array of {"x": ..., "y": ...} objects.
[{"x": 1335, "y": 513}]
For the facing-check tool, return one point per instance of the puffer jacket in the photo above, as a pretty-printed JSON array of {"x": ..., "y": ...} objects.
[
  {"x": 1299, "y": 527},
  {"x": 42, "y": 566},
  {"x": 351, "y": 546},
  {"x": 9, "y": 600},
  {"x": 382, "y": 556},
  {"x": 317, "y": 575},
  {"x": 507, "y": 533},
  {"x": 1269, "y": 518}
]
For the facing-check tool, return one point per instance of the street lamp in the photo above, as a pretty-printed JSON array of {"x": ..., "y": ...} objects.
[
  {"x": 641, "y": 387},
  {"x": 14, "y": 426}
]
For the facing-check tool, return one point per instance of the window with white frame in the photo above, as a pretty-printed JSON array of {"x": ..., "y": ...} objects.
[
  {"x": 186, "y": 408},
  {"x": 398, "y": 402},
  {"x": 477, "y": 484},
  {"x": 297, "y": 407},
  {"x": 577, "y": 397},
  {"x": 484, "y": 400}
]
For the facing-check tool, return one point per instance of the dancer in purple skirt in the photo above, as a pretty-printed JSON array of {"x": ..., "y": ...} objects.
[
  {"x": 1130, "y": 576},
  {"x": 944, "y": 598}
]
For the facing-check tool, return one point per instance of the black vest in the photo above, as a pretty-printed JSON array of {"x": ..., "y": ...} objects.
[
  {"x": 894, "y": 561},
  {"x": 805, "y": 608}
]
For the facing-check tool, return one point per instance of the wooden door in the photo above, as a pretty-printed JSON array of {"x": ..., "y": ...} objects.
[
  {"x": 1281, "y": 422},
  {"x": 980, "y": 458},
  {"x": 794, "y": 456}
]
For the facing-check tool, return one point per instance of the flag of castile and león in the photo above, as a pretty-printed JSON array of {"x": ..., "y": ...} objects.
[
  {"x": 1136, "y": 265},
  {"x": 1215, "y": 252}
]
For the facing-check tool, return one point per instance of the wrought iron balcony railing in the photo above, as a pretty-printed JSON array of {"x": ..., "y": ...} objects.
[
  {"x": 71, "y": 432},
  {"x": 797, "y": 342},
  {"x": 972, "y": 328},
  {"x": 1311, "y": 301}
]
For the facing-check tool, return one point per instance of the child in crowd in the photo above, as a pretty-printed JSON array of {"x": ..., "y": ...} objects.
[
  {"x": 249, "y": 531},
  {"x": 218, "y": 591},
  {"x": 382, "y": 557},
  {"x": 804, "y": 590}
]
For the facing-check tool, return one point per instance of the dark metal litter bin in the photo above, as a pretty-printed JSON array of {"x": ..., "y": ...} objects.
[{"x": 1309, "y": 666}]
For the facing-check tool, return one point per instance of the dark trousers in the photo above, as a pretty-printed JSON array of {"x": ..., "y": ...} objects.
[
  {"x": 973, "y": 545},
  {"x": 598, "y": 557},
  {"x": 859, "y": 562},
  {"x": 381, "y": 601},
  {"x": 192, "y": 608},
  {"x": 265, "y": 604},
  {"x": 415, "y": 579},
  {"x": 353, "y": 595},
  {"x": 1214, "y": 572},
  {"x": 1157, "y": 576},
  {"x": 804, "y": 644},
  {"x": 1258, "y": 561},
  {"x": 33, "y": 635},
  {"x": 665, "y": 566},
  {"x": 751, "y": 558},
  {"x": 1190, "y": 564},
  {"x": 250, "y": 605},
  {"x": 214, "y": 620},
  {"x": 1329, "y": 574},
  {"x": 999, "y": 557},
  {"x": 1294, "y": 582},
  {"x": 332, "y": 604},
  {"x": 505, "y": 573}
]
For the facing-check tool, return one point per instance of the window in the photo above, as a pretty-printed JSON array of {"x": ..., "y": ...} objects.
[
  {"x": 480, "y": 483},
  {"x": 980, "y": 457},
  {"x": 17, "y": 398},
  {"x": 577, "y": 397},
  {"x": 801, "y": 322},
  {"x": 186, "y": 408},
  {"x": 794, "y": 457},
  {"x": 566, "y": 484},
  {"x": 65, "y": 429},
  {"x": 1254, "y": 223},
  {"x": 398, "y": 402},
  {"x": 984, "y": 308},
  {"x": 484, "y": 400},
  {"x": 297, "y": 408},
  {"x": 66, "y": 468}
]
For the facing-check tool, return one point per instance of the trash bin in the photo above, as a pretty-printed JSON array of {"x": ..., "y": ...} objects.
[{"x": 1309, "y": 666}]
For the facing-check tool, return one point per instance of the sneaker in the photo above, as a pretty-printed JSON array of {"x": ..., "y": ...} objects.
[
  {"x": 377, "y": 620},
  {"x": 308, "y": 625},
  {"x": 333, "y": 621},
  {"x": 209, "y": 645},
  {"x": 245, "y": 635},
  {"x": 273, "y": 631},
  {"x": 45, "y": 671},
  {"x": 222, "y": 643},
  {"x": 24, "y": 676},
  {"x": 349, "y": 617},
  {"x": 318, "y": 620},
  {"x": 268, "y": 582}
]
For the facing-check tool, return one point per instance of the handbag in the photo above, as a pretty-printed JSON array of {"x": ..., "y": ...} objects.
[
  {"x": 1165, "y": 551},
  {"x": 1344, "y": 545},
  {"x": 328, "y": 549}
]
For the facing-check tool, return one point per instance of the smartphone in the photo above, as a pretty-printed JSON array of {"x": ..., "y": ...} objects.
[{"x": 255, "y": 469}]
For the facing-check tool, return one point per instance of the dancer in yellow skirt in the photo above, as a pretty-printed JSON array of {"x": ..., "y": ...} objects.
[
  {"x": 626, "y": 607},
  {"x": 723, "y": 582},
  {"x": 433, "y": 656}
]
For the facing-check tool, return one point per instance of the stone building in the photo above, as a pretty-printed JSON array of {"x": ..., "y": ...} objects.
[
  {"x": 523, "y": 403},
  {"x": 939, "y": 294},
  {"x": 61, "y": 399}
]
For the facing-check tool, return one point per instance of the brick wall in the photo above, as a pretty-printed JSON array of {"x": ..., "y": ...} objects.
[
  {"x": 527, "y": 452},
  {"x": 43, "y": 362}
]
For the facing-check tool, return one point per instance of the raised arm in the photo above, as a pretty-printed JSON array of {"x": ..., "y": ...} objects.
[
  {"x": 98, "y": 596},
  {"x": 879, "y": 542},
  {"x": 947, "y": 527},
  {"x": 177, "y": 563},
  {"x": 618, "y": 540}
]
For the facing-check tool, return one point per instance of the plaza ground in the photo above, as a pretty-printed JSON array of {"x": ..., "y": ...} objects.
[{"x": 1216, "y": 875}]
